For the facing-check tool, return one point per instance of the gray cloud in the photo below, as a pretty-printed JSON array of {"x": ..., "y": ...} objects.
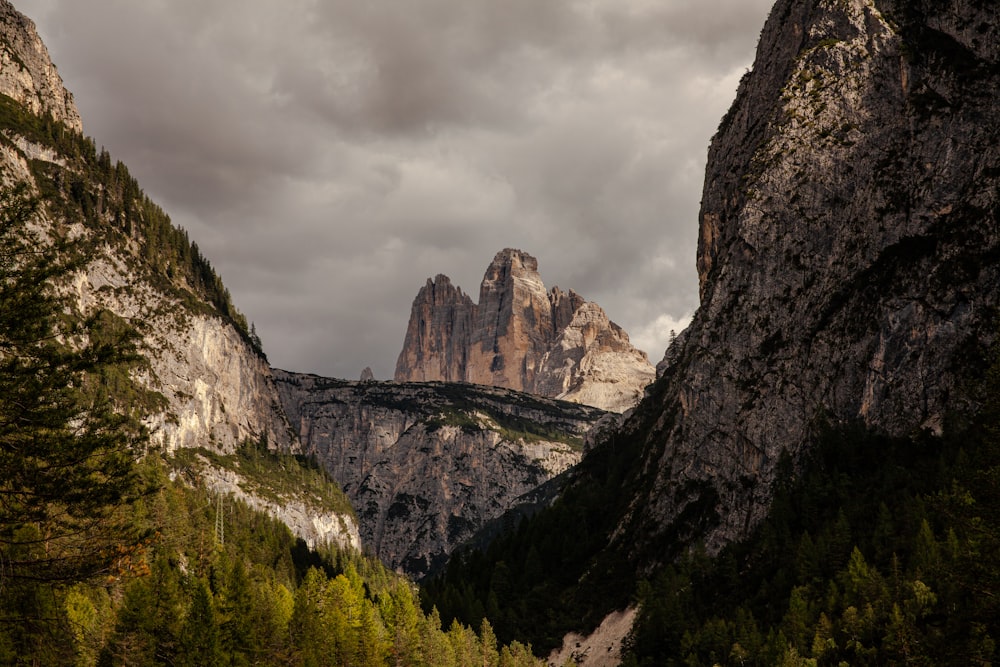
[{"x": 330, "y": 156}]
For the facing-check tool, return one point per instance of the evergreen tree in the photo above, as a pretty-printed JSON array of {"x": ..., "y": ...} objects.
[
  {"x": 200, "y": 644},
  {"x": 67, "y": 454}
]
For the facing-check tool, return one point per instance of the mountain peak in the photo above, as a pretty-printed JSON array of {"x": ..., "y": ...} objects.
[
  {"x": 522, "y": 336},
  {"x": 514, "y": 260},
  {"x": 27, "y": 74}
]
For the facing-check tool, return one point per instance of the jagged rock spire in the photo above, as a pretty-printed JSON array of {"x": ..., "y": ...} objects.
[{"x": 521, "y": 336}]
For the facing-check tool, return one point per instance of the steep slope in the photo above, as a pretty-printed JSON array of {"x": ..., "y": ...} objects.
[
  {"x": 206, "y": 382},
  {"x": 427, "y": 464},
  {"x": 848, "y": 257},
  {"x": 27, "y": 74},
  {"x": 849, "y": 265},
  {"x": 522, "y": 337}
]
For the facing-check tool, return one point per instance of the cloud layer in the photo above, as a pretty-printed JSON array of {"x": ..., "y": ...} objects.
[{"x": 330, "y": 156}]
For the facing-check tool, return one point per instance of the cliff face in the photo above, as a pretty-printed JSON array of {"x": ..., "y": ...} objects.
[
  {"x": 440, "y": 327},
  {"x": 219, "y": 392},
  {"x": 27, "y": 74},
  {"x": 848, "y": 256},
  {"x": 513, "y": 324},
  {"x": 213, "y": 390},
  {"x": 426, "y": 465},
  {"x": 522, "y": 337}
]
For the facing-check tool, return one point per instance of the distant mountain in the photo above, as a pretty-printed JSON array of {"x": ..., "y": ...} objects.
[
  {"x": 428, "y": 464},
  {"x": 522, "y": 337}
]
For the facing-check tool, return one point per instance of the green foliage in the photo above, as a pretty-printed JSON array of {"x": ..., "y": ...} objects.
[
  {"x": 105, "y": 197},
  {"x": 43, "y": 130},
  {"x": 553, "y": 571},
  {"x": 876, "y": 552},
  {"x": 271, "y": 474},
  {"x": 264, "y": 598},
  {"x": 67, "y": 456}
]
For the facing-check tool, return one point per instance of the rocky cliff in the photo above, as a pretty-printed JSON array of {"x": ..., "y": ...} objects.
[
  {"x": 523, "y": 337},
  {"x": 27, "y": 74},
  {"x": 427, "y": 464},
  {"x": 219, "y": 392},
  {"x": 848, "y": 257},
  {"x": 207, "y": 385},
  {"x": 849, "y": 266}
]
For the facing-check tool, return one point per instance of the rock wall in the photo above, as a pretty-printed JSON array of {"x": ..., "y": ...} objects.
[
  {"x": 216, "y": 391},
  {"x": 523, "y": 337},
  {"x": 438, "y": 334},
  {"x": 849, "y": 256},
  {"x": 27, "y": 74},
  {"x": 513, "y": 324},
  {"x": 219, "y": 392},
  {"x": 426, "y": 465}
]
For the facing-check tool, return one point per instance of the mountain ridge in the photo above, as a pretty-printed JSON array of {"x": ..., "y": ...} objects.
[
  {"x": 427, "y": 464},
  {"x": 204, "y": 381},
  {"x": 849, "y": 275}
]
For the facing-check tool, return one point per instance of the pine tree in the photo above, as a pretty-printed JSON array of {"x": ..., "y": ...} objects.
[
  {"x": 200, "y": 642},
  {"x": 67, "y": 455}
]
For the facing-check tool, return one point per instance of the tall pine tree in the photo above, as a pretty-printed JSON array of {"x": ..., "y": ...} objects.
[{"x": 67, "y": 452}]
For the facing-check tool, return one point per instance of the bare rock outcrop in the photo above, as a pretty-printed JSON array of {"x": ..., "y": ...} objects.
[
  {"x": 305, "y": 517},
  {"x": 207, "y": 385},
  {"x": 27, "y": 74},
  {"x": 849, "y": 256},
  {"x": 427, "y": 464},
  {"x": 438, "y": 334},
  {"x": 523, "y": 337}
]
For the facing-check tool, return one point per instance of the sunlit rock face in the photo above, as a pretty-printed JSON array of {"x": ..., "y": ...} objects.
[
  {"x": 27, "y": 74},
  {"x": 217, "y": 391},
  {"x": 848, "y": 255},
  {"x": 524, "y": 337},
  {"x": 427, "y": 464},
  {"x": 211, "y": 388}
]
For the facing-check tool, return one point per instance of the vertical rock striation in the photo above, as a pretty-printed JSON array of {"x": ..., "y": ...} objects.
[
  {"x": 440, "y": 325},
  {"x": 849, "y": 255},
  {"x": 427, "y": 464},
  {"x": 513, "y": 324},
  {"x": 522, "y": 337}
]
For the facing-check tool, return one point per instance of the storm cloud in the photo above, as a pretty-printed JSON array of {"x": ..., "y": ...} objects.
[{"x": 330, "y": 156}]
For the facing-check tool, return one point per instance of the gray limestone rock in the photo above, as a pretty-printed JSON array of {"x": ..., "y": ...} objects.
[
  {"x": 427, "y": 464},
  {"x": 27, "y": 74},
  {"x": 849, "y": 256}
]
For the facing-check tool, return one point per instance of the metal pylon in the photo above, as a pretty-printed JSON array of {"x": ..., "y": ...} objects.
[{"x": 220, "y": 526}]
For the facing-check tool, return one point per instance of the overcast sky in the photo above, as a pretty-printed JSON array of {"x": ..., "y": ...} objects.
[{"x": 328, "y": 156}]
